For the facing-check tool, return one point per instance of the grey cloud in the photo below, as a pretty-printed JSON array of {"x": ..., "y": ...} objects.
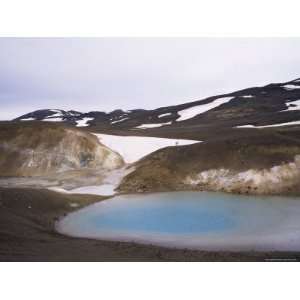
[{"x": 108, "y": 73}]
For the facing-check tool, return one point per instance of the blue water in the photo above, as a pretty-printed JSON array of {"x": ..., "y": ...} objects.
[
  {"x": 164, "y": 215},
  {"x": 184, "y": 218}
]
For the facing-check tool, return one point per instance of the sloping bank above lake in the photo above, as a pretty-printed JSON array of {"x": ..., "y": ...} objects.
[{"x": 262, "y": 164}]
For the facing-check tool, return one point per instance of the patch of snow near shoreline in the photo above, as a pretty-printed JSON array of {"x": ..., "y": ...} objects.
[
  {"x": 133, "y": 148},
  {"x": 265, "y": 180},
  {"x": 107, "y": 188},
  {"x": 101, "y": 190},
  {"x": 145, "y": 126},
  {"x": 191, "y": 112},
  {"x": 83, "y": 122},
  {"x": 266, "y": 126}
]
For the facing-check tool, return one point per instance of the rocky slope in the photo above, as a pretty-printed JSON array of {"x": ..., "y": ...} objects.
[
  {"x": 44, "y": 149},
  {"x": 268, "y": 163}
]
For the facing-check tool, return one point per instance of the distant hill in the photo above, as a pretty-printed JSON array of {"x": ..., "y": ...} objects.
[{"x": 267, "y": 106}]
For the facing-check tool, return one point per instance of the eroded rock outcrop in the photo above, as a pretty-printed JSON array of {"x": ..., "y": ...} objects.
[
  {"x": 38, "y": 150},
  {"x": 276, "y": 180}
]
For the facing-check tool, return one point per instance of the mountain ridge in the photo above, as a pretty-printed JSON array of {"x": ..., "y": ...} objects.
[
  {"x": 250, "y": 140},
  {"x": 257, "y": 106}
]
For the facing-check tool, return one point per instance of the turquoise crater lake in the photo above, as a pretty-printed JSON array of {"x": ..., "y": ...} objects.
[{"x": 196, "y": 220}]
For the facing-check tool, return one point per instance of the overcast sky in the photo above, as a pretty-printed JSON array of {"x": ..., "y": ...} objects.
[{"x": 109, "y": 73}]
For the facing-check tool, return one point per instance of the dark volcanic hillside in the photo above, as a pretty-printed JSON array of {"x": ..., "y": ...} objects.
[{"x": 258, "y": 106}]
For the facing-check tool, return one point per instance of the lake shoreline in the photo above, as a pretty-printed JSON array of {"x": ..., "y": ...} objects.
[
  {"x": 27, "y": 234},
  {"x": 202, "y": 221}
]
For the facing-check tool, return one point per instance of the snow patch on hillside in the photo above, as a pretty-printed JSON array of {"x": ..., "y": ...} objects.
[
  {"x": 246, "y": 126},
  {"x": 133, "y": 148},
  {"x": 74, "y": 114},
  {"x": 53, "y": 120},
  {"x": 248, "y": 96},
  {"x": 191, "y": 112},
  {"x": 58, "y": 113},
  {"x": 145, "y": 126},
  {"x": 164, "y": 115},
  {"x": 293, "y": 105},
  {"x": 28, "y": 119},
  {"x": 291, "y": 86},
  {"x": 83, "y": 122},
  {"x": 118, "y": 121},
  {"x": 273, "y": 125}
]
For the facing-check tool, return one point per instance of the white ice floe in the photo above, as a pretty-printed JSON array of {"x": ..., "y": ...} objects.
[
  {"x": 53, "y": 120},
  {"x": 191, "y": 112},
  {"x": 293, "y": 105},
  {"x": 273, "y": 125},
  {"x": 28, "y": 119},
  {"x": 83, "y": 122},
  {"x": 291, "y": 86},
  {"x": 133, "y": 148},
  {"x": 145, "y": 126},
  {"x": 164, "y": 115},
  {"x": 118, "y": 121}
]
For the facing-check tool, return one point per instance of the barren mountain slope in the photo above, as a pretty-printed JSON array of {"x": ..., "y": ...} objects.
[{"x": 272, "y": 104}]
